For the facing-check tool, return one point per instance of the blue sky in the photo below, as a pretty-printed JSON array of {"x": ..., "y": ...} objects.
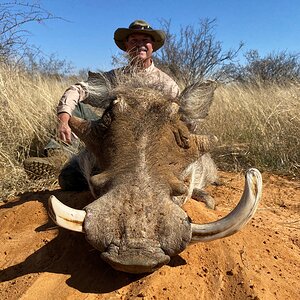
[{"x": 86, "y": 39}]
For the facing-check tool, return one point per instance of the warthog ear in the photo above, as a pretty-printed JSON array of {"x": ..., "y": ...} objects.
[
  {"x": 100, "y": 89},
  {"x": 196, "y": 99}
]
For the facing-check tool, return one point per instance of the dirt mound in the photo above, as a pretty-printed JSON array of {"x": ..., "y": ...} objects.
[{"x": 40, "y": 261}]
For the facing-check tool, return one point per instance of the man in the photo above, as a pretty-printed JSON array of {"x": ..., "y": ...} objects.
[{"x": 139, "y": 41}]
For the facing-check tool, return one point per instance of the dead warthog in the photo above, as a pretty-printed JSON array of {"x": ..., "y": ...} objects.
[{"x": 150, "y": 165}]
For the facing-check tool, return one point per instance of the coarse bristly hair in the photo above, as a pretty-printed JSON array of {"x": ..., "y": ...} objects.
[
  {"x": 105, "y": 88},
  {"x": 194, "y": 101}
]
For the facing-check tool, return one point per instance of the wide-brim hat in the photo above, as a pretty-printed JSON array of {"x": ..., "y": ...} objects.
[{"x": 139, "y": 26}]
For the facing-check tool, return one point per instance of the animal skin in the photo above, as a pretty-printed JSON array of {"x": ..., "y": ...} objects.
[{"x": 150, "y": 165}]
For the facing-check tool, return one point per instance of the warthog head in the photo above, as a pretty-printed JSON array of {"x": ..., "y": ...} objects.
[{"x": 147, "y": 157}]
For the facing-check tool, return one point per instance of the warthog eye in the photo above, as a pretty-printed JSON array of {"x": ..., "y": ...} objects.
[{"x": 106, "y": 119}]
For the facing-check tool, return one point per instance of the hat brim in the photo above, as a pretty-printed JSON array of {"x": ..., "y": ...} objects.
[{"x": 122, "y": 33}]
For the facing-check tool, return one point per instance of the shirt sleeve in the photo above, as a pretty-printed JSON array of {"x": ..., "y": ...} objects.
[
  {"x": 174, "y": 89},
  {"x": 170, "y": 87},
  {"x": 74, "y": 94},
  {"x": 93, "y": 91}
]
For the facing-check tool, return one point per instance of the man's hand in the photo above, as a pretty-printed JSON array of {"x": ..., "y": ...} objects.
[{"x": 64, "y": 130}]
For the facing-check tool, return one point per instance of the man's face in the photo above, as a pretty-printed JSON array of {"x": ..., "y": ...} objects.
[{"x": 139, "y": 45}]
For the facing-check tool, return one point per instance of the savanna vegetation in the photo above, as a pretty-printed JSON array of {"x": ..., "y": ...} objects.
[
  {"x": 27, "y": 121},
  {"x": 255, "y": 115}
]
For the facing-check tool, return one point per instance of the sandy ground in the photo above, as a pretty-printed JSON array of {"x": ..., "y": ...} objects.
[{"x": 40, "y": 261}]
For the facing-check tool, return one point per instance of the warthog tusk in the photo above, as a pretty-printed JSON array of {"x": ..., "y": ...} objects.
[
  {"x": 65, "y": 216},
  {"x": 234, "y": 221}
]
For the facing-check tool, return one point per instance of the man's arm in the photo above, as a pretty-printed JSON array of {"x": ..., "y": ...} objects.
[
  {"x": 65, "y": 108},
  {"x": 64, "y": 130},
  {"x": 94, "y": 91}
]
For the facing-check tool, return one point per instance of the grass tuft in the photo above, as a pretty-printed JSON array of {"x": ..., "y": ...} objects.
[
  {"x": 256, "y": 126},
  {"x": 27, "y": 121}
]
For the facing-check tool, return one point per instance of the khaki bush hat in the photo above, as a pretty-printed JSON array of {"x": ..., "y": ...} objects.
[{"x": 139, "y": 26}]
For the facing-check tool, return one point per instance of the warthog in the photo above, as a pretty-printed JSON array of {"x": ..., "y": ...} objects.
[{"x": 150, "y": 165}]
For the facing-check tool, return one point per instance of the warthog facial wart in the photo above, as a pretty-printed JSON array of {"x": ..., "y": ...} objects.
[{"x": 150, "y": 163}]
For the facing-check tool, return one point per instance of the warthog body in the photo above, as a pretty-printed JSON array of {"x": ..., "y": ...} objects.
[{"x": 150, "y": 164}]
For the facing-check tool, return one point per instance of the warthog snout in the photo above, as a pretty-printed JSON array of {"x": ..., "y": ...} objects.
[
  {"x": 150, "y": 164},
  {"x": 136, "y": 260}
]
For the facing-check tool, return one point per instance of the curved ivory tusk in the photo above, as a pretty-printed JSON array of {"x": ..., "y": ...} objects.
[
  {"x": 234, "y": 221},
  {"x": 65, "y": 216}
]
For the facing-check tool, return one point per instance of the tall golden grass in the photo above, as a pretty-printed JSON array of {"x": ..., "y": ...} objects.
[
  {"x": 27, "y": 120},
  {"x": 256, "y": 126}
]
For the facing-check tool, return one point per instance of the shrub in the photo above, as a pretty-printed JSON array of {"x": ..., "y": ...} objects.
[{"x": 275, "y": 68}]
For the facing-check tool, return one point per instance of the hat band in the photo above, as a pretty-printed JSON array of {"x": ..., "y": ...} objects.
[{"x": 140, "y": 27}]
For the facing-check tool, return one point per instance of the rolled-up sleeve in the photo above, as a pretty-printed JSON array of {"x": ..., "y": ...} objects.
[{"x": 74, "y": 94}]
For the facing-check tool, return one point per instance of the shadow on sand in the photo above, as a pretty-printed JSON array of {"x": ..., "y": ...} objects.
[{"x": 70, "y": 254}]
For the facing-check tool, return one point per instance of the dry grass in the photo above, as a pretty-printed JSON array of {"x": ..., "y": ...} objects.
[
  {"x": 27, "y": 114},
  {"x": 257, "y": 126}
]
